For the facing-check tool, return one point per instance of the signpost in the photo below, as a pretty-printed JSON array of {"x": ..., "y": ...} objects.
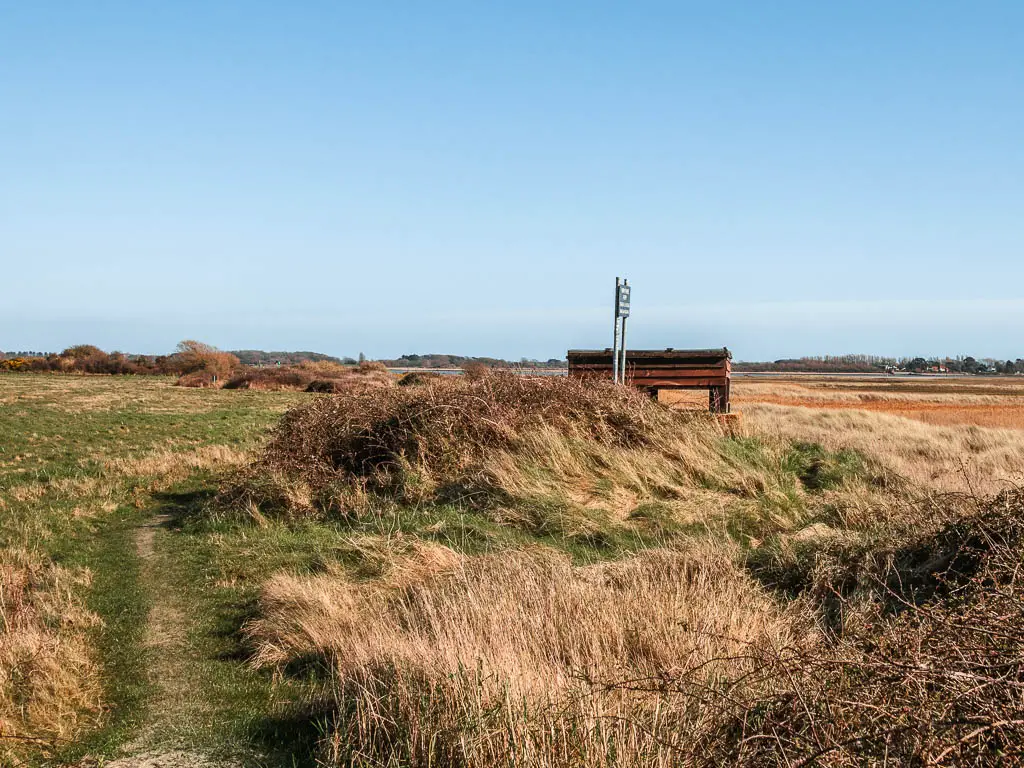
[{"x": 622, "y": 292}]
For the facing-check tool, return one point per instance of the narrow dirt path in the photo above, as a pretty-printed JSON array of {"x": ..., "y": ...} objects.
[
  {"x": 177, "y": 701},
  {"x": 146, "y": 535},
  {"x": 173, "y": 759},
  {"x": 200, "y": 704},
  {"x": 166, "y": 637}
]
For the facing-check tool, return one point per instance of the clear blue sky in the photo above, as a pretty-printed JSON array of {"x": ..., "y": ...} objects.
[{"x": 784, "y": 178}]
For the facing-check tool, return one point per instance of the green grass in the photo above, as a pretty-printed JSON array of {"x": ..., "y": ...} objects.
[
  {"x": 214, "y": 577},
  {"x": 821, "y": 470},
  {"x": 69, "y": 429},
  {"x": 120, "y": 599},
  {"x": 49, "y": 436}
]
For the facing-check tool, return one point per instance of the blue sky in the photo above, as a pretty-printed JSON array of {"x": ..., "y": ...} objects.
[{"x": 783, "y": 178}]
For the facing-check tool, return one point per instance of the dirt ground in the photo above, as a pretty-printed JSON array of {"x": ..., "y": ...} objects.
[{"x": 175, "y": 759}]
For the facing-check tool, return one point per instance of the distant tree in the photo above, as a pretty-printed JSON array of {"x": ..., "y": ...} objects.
[
  {"x": 81, "y": 351},
  {"x": 362, "y": 358},
  {"x": 86, "y": 358},
  {"x": 192, "y": 356}
]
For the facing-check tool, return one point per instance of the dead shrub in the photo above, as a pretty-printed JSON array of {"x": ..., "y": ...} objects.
[
  {"x": 271, "y": 379},
  {"x": 475, "y": 370},
  {"x": 928, "y": 669},
  {"x": 325, "y": 369},
  {"x": 81, "y": 352},
  {"x": 326, "y": 386},
  {"x": 372, "y": 368},
  {"x": 581, "y": 460},
  {"x": 317, "y": 376},
  {"x": 418, "y": 378},
  {"x": 203, "y": 379}
]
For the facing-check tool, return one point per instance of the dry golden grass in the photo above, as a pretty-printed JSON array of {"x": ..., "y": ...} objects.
[
  {"x": 161, "y": 468},
  {"x": 967, "y": 459},
  {"x": 979, "y": 401},
  {"x": 504, "y": 659},
  {"x": 168, "y": 465},
  {"x": 908, "y": 655},
  {"x": 139, "y": 395},
  {"x": 49, "y": 680},
  {"x": 947, "y": 435},
  {"x": 81, "y": 393},
  {"x": 693, "y": 652}
]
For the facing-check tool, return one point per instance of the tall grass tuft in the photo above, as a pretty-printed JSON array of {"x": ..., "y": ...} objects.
[
  {"x": 49, "y": 681},
  {"x": 517, "y": 658}
]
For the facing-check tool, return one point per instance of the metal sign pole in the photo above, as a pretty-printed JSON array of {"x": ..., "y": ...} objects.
[
  {"x": 615, "y": 337},
  {"x": 622, "y": 348}
]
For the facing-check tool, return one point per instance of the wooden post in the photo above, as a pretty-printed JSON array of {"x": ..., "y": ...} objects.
[{"x": 718, "y": 399}]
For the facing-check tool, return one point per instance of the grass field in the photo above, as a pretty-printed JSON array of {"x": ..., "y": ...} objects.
[
  {"x": 499, "y": 571},
  {"x": 985, "y": 402},
  {"x": 101, "y": 576}
]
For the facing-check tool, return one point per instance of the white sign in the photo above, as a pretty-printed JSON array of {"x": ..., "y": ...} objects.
[{"x": 622, "y": 309}]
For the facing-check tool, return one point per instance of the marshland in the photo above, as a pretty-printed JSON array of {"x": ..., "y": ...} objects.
[{"x": 499, "y": 569}]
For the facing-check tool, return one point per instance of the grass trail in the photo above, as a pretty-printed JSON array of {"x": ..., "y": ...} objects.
[
  {"x": 99, "y": 477},
  {"x": 206, "y": 705},
  {"x": 179, "y": 691},
  {"x": 165, "y": 640}
]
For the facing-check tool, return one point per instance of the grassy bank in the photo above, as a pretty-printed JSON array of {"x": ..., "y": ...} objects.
[{"x": 638, "y": 587}]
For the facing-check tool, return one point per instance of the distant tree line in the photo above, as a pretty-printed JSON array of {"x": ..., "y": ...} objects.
[
  {"x": 460, "y": 361},
  {"x": 821, "y": 364},
  {"x": 257, "y": 357},
  {"x": 877, "y": 364},
  {"x": 188, "y": 357},
  {"x": 193, "y": 357},
  {"x": 963, "y": 365}
]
